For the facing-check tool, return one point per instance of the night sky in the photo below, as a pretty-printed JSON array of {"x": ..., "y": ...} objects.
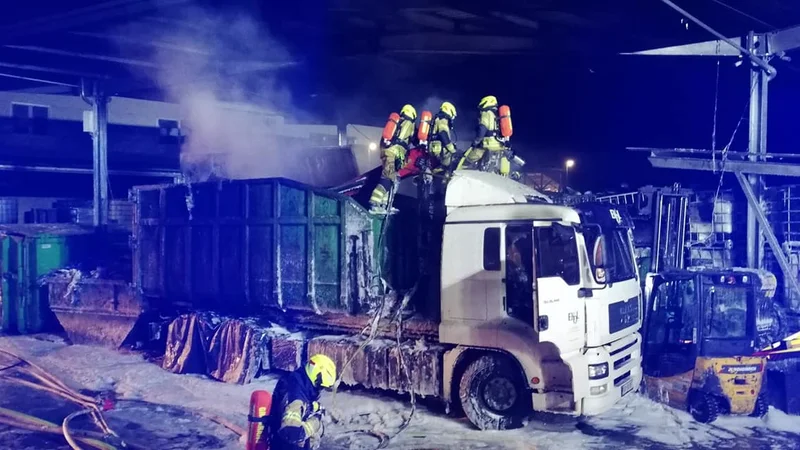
[{"x": 591, "y": 103}]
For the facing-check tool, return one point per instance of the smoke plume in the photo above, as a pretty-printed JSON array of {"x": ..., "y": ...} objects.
[{"x": 220, "y": 68}]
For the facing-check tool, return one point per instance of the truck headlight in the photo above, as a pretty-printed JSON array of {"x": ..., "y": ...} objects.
[
  {"x": 597, "y": 371},
  {"x": 598, "y": 390}
]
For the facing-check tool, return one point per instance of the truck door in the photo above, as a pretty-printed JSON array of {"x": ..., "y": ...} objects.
[
  {"x": 559, "y": 311},
  {"x": 519, "y": 278}
]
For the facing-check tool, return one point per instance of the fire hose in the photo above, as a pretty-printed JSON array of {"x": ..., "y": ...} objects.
[
  {"x": 373, "y": 327},
  {"x": 53, "y": 385},
  {"x": 27, "y": 422}
]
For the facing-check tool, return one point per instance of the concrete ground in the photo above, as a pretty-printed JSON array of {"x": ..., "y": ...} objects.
[{"x": 159, "y": 413}]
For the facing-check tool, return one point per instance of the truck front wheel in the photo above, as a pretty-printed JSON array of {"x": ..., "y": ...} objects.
[{"x": 493, "y": 395}]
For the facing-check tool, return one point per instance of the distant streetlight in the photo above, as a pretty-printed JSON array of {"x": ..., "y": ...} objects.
[
  {"x": 373, "y": 146},
  {"x": 568, "y": 164}
]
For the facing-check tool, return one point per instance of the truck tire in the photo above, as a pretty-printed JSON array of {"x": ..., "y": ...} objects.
[
  {"x": 704, "y": 407},
  {"x": 493, "y": 395},
  {"x": 761, "y": 408}
]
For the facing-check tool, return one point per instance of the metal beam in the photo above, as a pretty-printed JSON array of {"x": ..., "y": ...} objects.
[
  {"x": 102, "y": 12},
  {"x": 53, "y": 51},
  {"x": 784, "y": 40},
  {"x": 750, "y": 51},
  {"x": 37, "y": 80},
  {"x": 82, "y": 171},
  {"x": 34, "y": 68},
  {"x": 425, "y": 42},
  {"x": 145, "y": 42},
  {"x": 427, "y": 18},
  {"x": 749, "y": 167},
  {"x": 766, "y": 228},
  {"x": 708, "y": 48}
]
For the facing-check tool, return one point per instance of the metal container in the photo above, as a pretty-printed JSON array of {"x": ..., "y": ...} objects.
[
  {"x": 9, "y": 210},
  {"x": 94, "y": 311},
  {"x": 253, "y": 245},
  {"x": 29, "y": 252}
]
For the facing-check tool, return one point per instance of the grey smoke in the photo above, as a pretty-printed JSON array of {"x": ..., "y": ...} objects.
[{"x": 226, "y": 57}]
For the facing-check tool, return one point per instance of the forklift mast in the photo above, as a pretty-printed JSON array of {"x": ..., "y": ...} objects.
[{"x": 670, "y": 216}]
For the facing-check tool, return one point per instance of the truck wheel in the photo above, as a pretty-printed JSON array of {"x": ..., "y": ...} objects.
[
  {"x": 761, "y": 408},
  {"x": 704, "y": 408},
  {"x": 493, "y": 395}
]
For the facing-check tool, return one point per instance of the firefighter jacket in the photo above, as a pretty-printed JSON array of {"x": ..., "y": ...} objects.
[
  {"x": 488, "y": 133},
  {"x": 441, "y": 138},
  {"x": 293, "y": 424}
]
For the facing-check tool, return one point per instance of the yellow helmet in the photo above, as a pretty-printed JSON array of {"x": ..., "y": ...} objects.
[
  {"x": 409, "y": 112},
  {"x": 448, "y": 109},
  {"x": 320, "y": 366},
  {"x": 490, "y": 101}
]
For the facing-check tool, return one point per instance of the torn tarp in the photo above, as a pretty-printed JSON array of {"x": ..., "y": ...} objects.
[
  {"x": 237, "y": 351},
  {"x": 227, "y": 349},
  {"x": 188, "y": 340}
]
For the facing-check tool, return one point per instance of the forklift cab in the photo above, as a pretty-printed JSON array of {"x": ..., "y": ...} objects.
[{"x": 699, "y": 338}]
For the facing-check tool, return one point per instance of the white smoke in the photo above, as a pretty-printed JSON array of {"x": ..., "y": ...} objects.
[{"x": 218, "y": 66}]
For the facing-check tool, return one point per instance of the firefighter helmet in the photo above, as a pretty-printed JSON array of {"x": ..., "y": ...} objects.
[
  {"x": 321, "y": 369},
  {"x": 448, "y": 109},
  {"x": 409, "y": 112},
  {"x": 488, "y": 102}
]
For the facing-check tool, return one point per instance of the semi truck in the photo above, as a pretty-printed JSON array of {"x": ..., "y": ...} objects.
[{"x": 518, "y": 304}]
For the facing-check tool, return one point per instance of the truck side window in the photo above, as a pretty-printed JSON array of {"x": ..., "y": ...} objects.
[
  {"x": 491, "y": 249},
  {"x": 557, "y": 254},
  {"x": 519, "y": 272}
]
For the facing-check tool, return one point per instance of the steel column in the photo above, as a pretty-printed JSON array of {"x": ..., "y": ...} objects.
[
  {"x": 99, "y": 103},
  {"x": 753, "y": 203},
  {"x": 757, "y": 143}
]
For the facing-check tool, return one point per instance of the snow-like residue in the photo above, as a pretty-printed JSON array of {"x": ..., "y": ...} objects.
[
  {"x": 660, "y": 423},
  {"x": 634, "y": 423}
]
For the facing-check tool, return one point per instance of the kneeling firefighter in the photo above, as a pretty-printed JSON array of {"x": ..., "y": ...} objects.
[
  {"x": 442, "y": 145},
  {"x": 395, "y": 144},
  {"x": 296, "y": 415},
  {"x": 491, "y": 149}
]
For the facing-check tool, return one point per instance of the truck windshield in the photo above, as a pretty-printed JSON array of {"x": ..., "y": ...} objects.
[
  {"x": 620, "y": 261},
  {"x": 726, "y": 312}
]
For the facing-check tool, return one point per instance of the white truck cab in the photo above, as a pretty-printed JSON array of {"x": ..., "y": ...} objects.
[{"x": 543, "y": 289}]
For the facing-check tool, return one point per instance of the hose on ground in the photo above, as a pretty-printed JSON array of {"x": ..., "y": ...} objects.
[
  {"x": 55, "y": 386},
  {"x": 27, "y": 422},
  {"x": 65, "y": 428}
]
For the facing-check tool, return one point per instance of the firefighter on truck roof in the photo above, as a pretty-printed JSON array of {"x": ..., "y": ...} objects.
[
  {"x": 442, "y": 145},
  {"x": 296, "y": 415},
  {"x": 395, "y": 144},
  {"x": 491, "y": 149}
]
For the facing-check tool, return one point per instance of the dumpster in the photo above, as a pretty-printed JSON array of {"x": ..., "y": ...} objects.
[
  {"x": 245, "y": 246},
  {"x": 28, "y": 253}
]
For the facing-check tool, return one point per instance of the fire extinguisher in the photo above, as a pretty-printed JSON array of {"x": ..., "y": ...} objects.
[{"x": 257, "y": 432}]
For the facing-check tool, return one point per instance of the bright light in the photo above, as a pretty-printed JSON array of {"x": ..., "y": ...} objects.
[
  {"x": 373, "y": 146},
  {"x": 570, "y": 163}
]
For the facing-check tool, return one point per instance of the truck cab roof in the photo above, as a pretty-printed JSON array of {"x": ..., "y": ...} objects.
[{"x": 475, "y": 188}]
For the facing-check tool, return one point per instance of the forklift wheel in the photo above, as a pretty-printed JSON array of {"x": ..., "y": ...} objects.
[
  {"x": 704, "y": 408},
  {"x": 761, "y": 408}
]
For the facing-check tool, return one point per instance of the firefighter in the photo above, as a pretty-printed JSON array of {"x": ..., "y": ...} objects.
[
  {"x": 442, "y": 146},
  {"x": 296, "y": 415},
  {"x": 394, "y": 147},
  {"x": 488, "y": 144}
]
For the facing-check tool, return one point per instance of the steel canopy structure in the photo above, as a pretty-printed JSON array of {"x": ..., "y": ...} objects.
[{"x": 760, "y": 48}]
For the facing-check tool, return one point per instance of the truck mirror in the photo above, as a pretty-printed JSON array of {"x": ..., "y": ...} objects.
[{"x": 599, "y": 257}]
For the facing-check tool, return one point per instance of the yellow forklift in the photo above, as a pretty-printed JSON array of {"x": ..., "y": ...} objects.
[{"x": 700, "y": 337}]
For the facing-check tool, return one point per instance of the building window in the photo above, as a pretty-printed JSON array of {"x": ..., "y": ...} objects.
[
  {"x": 169, "y": 131},
  {"x": 29, "y": 119}
]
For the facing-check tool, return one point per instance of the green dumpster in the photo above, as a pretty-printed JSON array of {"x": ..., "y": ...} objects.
[{"x": 27, "y": 252}]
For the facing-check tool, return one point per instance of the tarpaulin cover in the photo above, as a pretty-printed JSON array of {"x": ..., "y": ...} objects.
[
  {"x": 229, "y": 350},
  {"x": 237, "y": 351},
  {"x": 188, "y": 339}
]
